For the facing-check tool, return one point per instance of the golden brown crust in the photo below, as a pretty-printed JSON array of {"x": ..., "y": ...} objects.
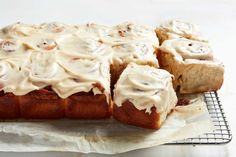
[
  {"x": 46, "y": 104},
  {"x": 42, "y": 104},
  {"x": 9, "y": 106},
  {"x": 129, "y": 114},
  {"x": 87, "y": 106}
]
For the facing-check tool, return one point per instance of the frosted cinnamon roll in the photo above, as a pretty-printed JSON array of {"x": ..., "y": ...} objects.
[
  {"x": 86, "y": 47},
  {"x": 84, "y": 74},
  {"x": 179, "y": 29},
  {"x": 43, "y": 69},
  {"x": 89, "y": 83},
  {"x": 188, "y": 60},
  {"x": 143, "y": 96}
]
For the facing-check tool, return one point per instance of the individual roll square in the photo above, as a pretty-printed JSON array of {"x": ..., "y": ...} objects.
[
  {"x": 143, "y": 96},
  {"x": 87, "y": 90},
  {"x": 193, "y": 65}
]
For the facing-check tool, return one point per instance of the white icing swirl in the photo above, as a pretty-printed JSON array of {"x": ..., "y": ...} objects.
[
  {"x": 183, "y": 29},
  {"x": 44, "y": 67},
  {"x": 83, "y": 75},
  {"x": 13, "y": 79},
  {"x": 188, "y": 49},
  {"x": 85, "y": 47},
  {"x": 132, "y": 51},
  {"x": 129, "y": 31}
]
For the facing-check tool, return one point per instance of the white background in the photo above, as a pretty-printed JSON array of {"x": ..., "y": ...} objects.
[{"x": 217, "y": 19}]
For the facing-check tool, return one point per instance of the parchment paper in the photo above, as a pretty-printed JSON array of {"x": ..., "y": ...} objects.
[{"x": 103, "y": 136}]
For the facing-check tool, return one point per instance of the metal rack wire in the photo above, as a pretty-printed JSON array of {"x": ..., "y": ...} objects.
[{"x": 222, "y": 133}]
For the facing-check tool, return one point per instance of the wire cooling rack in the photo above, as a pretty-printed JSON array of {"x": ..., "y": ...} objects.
[{"x": 222, "y": 133}]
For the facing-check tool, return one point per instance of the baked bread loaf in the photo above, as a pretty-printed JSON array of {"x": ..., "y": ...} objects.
[
  {"x": 143, "y": 96},
  {"x": 179, "y": 29},
  {"x": 193, "y": 65},
  {"x": 51, "y": 71}
]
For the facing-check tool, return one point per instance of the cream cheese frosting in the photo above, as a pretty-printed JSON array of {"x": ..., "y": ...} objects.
[
  {"x": 69, "y": 58},
  {"x": 146, "y": 87},
  {"x": 134, "y": 51},
  {"x": 129, "y": 31},
  {"x": 185, "y": 49},
  {"x": 179, "y": 28}
]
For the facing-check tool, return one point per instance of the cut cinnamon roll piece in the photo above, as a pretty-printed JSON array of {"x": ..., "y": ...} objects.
[
  {"x": 143, "y": 96},
  {"x": 193, "y": 64},
  {"x": 179, "y": 29}
]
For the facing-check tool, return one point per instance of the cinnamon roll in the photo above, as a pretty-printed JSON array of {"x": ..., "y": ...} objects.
[
  {"x": 143, "y": 96},
  {"x": 193, "y": 64}
]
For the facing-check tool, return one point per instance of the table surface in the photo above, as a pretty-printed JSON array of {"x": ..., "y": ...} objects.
[{"x": 217, "y": 20}]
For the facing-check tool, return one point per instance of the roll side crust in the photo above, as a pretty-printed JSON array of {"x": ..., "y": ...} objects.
[
  {"x": 129, "y": 114},
  {"x": 42, "y": 104},
  {"x": 87, "y": 106},
  {"x": 9, "y": 106},
  {"x": 192, "y": 77}
]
